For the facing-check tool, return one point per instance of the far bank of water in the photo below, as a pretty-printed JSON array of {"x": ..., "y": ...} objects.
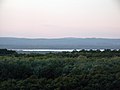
[{"x": 51, "y": 50}]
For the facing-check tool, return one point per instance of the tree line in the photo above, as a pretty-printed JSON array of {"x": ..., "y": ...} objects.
[{"x": 77, "y": 70}]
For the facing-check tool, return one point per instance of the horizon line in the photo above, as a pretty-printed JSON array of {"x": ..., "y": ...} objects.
[{"x": 59, "y": 37}]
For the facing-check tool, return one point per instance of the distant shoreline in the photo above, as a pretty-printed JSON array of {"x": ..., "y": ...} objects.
[
  {"x": 54, "y": 50},
  {"x": 63, "y": 43}
]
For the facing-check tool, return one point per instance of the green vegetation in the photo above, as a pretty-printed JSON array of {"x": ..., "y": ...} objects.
[
  {"x": 83, "y": 70},
  {"x": 7, "y": 52}
]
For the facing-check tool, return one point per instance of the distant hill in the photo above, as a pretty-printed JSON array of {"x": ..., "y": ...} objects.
[{"x": 59, "y": 43}]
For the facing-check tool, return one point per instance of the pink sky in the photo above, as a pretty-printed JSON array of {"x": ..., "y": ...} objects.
[{"x": 60, "y": 18}]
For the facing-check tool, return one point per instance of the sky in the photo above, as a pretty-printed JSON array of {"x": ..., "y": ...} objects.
[{"x": 60, "y": 18}]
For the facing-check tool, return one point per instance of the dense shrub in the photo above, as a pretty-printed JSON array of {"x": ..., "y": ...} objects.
[{"x": 84, "y": 70}]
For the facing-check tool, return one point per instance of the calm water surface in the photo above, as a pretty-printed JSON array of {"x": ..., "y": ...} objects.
[{"x": 50, "y": 50}]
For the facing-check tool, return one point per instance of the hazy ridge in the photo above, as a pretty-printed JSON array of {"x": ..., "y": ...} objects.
[{"x": 59, "y": 43}]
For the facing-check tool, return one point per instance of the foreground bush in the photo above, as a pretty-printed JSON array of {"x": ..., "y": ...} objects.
[{"x": 58, "y": 72}]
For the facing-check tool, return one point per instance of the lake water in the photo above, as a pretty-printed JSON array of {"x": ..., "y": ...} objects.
[
  {"x": 43, "y": 51},
  {"x": 51, "y": 50}
]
